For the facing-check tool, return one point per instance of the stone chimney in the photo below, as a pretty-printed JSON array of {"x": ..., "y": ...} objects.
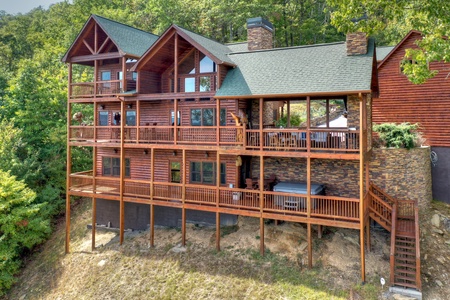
[
  {"x": 259, "y": 34},
  {"x": 356, "y": 43}
]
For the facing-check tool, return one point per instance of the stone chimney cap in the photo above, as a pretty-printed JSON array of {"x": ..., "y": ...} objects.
[{"x": 259, "y": 22}]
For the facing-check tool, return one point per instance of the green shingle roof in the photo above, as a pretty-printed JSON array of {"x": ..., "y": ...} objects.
[
  {"x": 382, "y": 52},
  {"x": 129, "y": 40},
  {"x": 324, "y": 68},
  {"x": 217, "y": 49}
]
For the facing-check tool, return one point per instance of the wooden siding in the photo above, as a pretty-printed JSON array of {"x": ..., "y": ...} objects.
[
  {"x": 426, "y": 104},
  {"x": 140, "y": 163}
]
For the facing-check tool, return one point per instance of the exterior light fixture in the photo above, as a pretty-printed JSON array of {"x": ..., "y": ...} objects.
[
  {"x": 129, "y": 105},
  {"x": 145, "y": 151},
  {"x": 115, "y": 150},
  {"x": 102, "y": 106}
]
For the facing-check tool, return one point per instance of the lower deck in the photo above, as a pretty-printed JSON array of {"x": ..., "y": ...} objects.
[{"x": 313, "y": 209}]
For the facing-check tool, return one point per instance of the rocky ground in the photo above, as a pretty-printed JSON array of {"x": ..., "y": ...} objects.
[{"x": 337, "y": 254}]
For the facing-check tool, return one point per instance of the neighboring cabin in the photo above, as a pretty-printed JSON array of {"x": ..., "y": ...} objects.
[
  {"x": 427, "y": 104},
  {"x": 183, "y": 130}
]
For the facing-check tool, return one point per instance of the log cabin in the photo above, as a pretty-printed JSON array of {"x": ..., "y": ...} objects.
[
  {"x": 185, "y": 129},
  {"x": 426, "y": 104}
]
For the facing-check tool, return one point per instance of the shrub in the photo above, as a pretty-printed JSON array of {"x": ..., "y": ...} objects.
[{"x": 404, "y": 135}]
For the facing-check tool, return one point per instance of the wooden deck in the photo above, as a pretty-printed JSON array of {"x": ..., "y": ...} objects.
[
  {"x": 325, "y": 210},
  {"x": 342, "y": 141}
]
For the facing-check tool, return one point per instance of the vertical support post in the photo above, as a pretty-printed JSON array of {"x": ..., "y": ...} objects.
[
  {"x": 288, "y": 114},
  {"x": 183, "y": 209},
  {"x": 218, "y": 123},
  {"x": 261, "y": 120},
  {"x": 175, "y": 121},
  {"x": 261, "y": 204},
  {"x": 138, "y": 121},
  {"x": 152, "y": 208},
  {"x": 175, "y": 71},
  {"x": 69, "y": 162},
  {"x": 122, "y": 173},
  {"x": 309, "y": 245},
  {"x": 308, "y": 125},
  {"x": 217, "y": 199},
  {"x": 96, "y": 87},
  {"x": 152, "y": 225},
  {"x": 319, "y": 231},
  {"x": 308, "y": 186},
  {"x": 124, "y": 79},
  {"x": 361, "y": 188},
  {"x": 94, "y": 221}
]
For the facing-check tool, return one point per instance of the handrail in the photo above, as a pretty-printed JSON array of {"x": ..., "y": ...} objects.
[
  {"x": 379, "y": 190},
  {"x": 416, "y": 222},
  {"x": 393, "y": 234}
]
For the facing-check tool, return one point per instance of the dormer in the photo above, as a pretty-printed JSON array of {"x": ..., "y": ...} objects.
[{"x": 183, "y": 62}]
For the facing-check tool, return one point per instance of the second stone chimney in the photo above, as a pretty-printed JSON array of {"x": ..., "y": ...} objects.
[
  {"x": 356, "y": 43},
  {"x": 259, "y": 34}
]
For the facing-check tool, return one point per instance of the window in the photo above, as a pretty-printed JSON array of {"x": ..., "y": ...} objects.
[
  {"x": 111, "y": 166},
  {"x": 172, "y": 118},
  {"x": 189, "y": 85},
  {"x": 131, "y": 118},
  {"x": 134, "y": 76},
  {"x": 120, "y": 77},
  {"x": 103, "y": 118},
  {"x": 175, "y": 171},
  {"x": 205, "y": 172},
  {"x": 205, "y": 84},
  {"x": 207, "y": 65},
  {"x": 116, "y": 118},
  {"x": 106, "y": 76},
  {"x": 207, "y": 117}
]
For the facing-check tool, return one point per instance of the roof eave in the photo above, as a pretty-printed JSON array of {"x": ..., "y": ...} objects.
[
  {"x": 397, "y": 46},
  {"x": 295, "y": 95}
]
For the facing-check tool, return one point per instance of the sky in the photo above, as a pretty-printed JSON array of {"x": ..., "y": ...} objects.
[{"x": 24, "y": 6}]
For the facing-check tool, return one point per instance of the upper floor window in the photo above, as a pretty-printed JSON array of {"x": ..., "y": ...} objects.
[
  {"x": 172, "y": 118},
  {"x": 207, "y": 117},
  {"x": 111, "y": 166},
  {"x": 207, "y": 65},
  {"x": 106, "y": 76}
]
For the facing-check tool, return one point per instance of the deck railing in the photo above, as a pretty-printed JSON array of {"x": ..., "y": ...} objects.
[
  {"x": 100, "y": 88},
  {"x": 326, "y": 207}
]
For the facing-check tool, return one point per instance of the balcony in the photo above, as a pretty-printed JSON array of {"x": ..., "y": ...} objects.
[
  {"x": 108, "y": 88},
  {"x": 222, "y": 199},
  {"x": 270, "y": 139}
]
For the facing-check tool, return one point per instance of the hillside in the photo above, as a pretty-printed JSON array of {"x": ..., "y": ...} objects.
[{"x": 134, "y": 271}]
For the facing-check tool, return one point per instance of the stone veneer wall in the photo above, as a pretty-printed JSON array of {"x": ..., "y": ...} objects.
[
  {"x": 356, "y": 43},
  {"x": 268, "y": 107},
  {"x": 403, "y": 174},
  {"x": 259, "y": 38},
  {"x": 339, "y": 176},
  {"x": 353, "y": 112}
]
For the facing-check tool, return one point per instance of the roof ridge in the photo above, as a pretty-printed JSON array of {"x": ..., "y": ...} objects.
[
  {"x": 205, "y": 37},
  {"x": 123, "y": 24},
  {"x": 290, "y": 48}
]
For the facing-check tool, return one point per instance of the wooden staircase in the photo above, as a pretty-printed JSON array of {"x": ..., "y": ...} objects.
[{"x": 401, "y": 218}]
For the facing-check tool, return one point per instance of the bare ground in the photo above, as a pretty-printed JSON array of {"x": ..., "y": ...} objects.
[{"x": 197, "y": 271}]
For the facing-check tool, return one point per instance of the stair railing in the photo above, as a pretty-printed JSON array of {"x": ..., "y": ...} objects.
[
  {"x": 416, "y": 223},
  {"x": 393, "y": 234}
]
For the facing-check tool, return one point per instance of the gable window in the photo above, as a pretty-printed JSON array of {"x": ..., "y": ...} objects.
[
  {"x": 111, "y": 166},
  {"x": 205, "y": 172},
  {"x": 175, "y": 171},
  {"x": 207, "y": 65},
  {"x": 103, "y": 118},
  {"x": 207, "y": 117}
]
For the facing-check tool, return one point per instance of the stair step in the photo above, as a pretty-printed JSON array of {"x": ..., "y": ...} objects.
[
  {"x": 404, "y": 284},
  {"x": 405, "y": 259},
  {"x": 397, "y": 271},
  {"x": 407, "y": 278},
  {"x": 412, "y": 266},
  {"x": 406, "y": 253},
  {"x": 405, "y": 247},
  {"x": 405, "y": 234}
]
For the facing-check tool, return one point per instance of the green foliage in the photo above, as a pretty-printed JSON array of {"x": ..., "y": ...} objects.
[
  {"x": 402, "y": 135},
  {"x": 391, "y": 20},
  {"x": 22, "y": 226}
]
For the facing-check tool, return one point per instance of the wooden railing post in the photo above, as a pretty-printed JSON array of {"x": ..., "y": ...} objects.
[
  {"x": 393, "y": 234},
  {"x": 416, "y": 223}
]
